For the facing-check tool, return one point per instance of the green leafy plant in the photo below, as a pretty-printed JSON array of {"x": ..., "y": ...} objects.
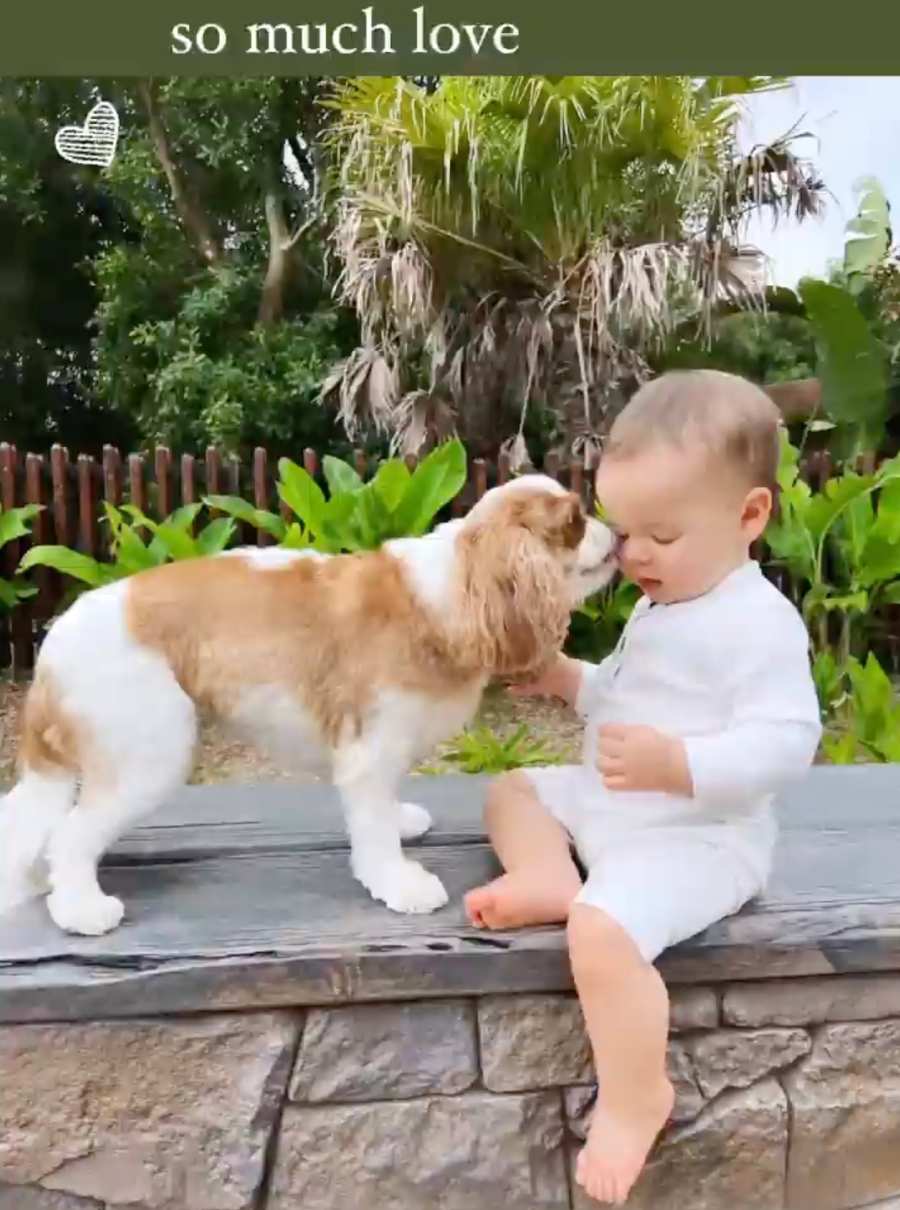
[
  {"x": 841, "y": 547},
  {"x": 357, "y": 515},
  {"x": 481, "y": 750},
  {"x": 171, "y": 540},
  {"x": 828, "y": 677},
  {"x": 865, "y": 717},
  {"x": 15, "y": 523},
  {"x": 597, "y": 624},
  {"x": 853, "y": 347}
]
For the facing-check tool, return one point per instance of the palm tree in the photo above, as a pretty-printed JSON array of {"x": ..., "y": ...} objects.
[{"x": 517, "y": 241}]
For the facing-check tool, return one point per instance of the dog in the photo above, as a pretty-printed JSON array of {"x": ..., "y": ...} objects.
[{"x": 353, "y": 665}]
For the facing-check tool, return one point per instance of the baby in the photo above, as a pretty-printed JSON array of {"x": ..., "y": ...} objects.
[{"x": 703, "y": 712}]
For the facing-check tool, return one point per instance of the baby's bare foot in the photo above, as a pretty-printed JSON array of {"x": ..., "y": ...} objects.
[
  {"x": 515, "y": 900},
  {"x": 618, "y": 1142}
]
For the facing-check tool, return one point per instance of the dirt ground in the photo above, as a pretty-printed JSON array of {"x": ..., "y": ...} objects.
[{"x": 221, "y": 759}]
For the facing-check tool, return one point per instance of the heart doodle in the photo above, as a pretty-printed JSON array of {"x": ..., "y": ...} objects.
[{"x": 95, "y": 141}]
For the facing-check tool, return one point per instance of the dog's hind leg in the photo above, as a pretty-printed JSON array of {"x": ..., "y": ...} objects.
[
  {"x": 128, "y": 778},
  {"x": 76, "y": 902},
  {"x": 28, "y": 815}
]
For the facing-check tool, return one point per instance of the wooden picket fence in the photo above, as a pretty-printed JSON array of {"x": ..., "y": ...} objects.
[{"x": 72, "y": 489}]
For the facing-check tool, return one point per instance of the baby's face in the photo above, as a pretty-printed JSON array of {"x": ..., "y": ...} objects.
[{"x": 684, "y": 523}]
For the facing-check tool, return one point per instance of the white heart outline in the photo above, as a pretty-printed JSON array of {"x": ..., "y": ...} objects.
[{"x": 98, "y": 148}]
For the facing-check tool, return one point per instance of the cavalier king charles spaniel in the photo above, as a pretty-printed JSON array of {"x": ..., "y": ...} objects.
[{"x": 354, "y": 666}]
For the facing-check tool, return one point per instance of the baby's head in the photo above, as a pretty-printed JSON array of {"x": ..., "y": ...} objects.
[{"x": 687, "y": 478}]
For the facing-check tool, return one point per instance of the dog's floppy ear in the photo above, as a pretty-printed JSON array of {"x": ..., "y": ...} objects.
[{"x": 515, "y": 613}]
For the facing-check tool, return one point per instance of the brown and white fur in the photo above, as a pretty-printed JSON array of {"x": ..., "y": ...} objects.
[{"x": 353, "y": 664}]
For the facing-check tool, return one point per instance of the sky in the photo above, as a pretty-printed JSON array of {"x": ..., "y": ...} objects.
[{"x": 855, "y": 121}]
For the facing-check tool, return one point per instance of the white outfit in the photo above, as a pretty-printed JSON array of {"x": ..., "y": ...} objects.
[{"x": 729, "y": 673}]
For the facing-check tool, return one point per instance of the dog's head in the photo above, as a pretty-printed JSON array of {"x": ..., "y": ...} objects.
[{"x": 529, "y": 556}]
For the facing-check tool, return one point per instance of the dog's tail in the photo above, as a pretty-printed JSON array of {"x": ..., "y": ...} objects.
[{"x": 42, "y": 796}]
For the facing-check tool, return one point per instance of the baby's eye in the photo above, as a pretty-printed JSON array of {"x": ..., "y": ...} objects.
[{"x": 667, "y": 541}]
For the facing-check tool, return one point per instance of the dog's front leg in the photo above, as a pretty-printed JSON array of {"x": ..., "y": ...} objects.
[{"x": 369, "y": 797}]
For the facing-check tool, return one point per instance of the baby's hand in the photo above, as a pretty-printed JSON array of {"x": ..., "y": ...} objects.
[
  {"x": 642, "y": 758},
  {"x": 550, "y": 683}
]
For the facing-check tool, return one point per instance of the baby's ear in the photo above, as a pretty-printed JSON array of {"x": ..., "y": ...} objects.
[{"x": 757, "y": 510}]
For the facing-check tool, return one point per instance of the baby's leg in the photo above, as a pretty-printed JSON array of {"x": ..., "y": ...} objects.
[
  {"x": 626, "y": 1012},
  {"x": 647, "y": 894},
  {"x": 541, "y": 879}
]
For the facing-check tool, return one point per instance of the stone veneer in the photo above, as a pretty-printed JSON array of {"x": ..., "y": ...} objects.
[{"x": 788, "y": 1099}]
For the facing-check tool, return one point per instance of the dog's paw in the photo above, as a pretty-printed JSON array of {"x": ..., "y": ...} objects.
[
  {"x": 88, "y": 915},
  {"x": 414, "y": 820},
  {"x": 406, "y": 886}
]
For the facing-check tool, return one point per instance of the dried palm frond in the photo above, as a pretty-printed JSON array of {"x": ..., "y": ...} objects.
[
  {"x": 365, "y": 385},
  {"x": 511, "y": 241}
]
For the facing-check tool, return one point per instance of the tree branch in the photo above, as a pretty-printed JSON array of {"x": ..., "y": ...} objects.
[{"x": 195, "y": 222}]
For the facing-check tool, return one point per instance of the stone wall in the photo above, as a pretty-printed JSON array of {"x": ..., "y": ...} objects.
[{"x": 788, "y": 1099}]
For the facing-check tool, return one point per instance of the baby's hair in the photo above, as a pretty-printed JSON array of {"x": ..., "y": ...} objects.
[{"x": 735, "y": 420}]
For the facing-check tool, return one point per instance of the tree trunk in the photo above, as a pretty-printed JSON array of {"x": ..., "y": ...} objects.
[
  {"x": 271, "y": 303},
  {"x": 193, "y": 217}
]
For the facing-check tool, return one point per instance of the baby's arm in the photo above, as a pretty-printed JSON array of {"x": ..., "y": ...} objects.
[
  {"x": 562, "y": 679},
  {"x": 770, "y": 740},
  {"x": 775, "y": 728}
]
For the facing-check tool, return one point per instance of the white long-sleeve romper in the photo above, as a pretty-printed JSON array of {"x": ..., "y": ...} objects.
[{"x": 729, "y": 672}]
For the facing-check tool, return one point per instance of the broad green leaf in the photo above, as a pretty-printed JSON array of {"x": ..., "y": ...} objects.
[
  {"x": 133, "y": 554},
  {"x": 873, "y": 694},
  {"x": 852, "y": 364},
  {"x": 9, "y": 597},
  {"x": 336, "y": 522},
  {"x": 300, "y": 492},
  {"x": 887, "y": 744},
  {"x": 391, "y": 483},
  {"x": 14, "y": 522},
  {"x": 433, "y": 484},
  {"x": 788, "y": 465},
  {"x": 157, "y": 554},
  {"x": 243, "y": 510},
  {"x": 375, "y": 522},
  {"x": 295, "y": 537},
  {"x": 887, "y": 522},
  {"x": 834, "y": 499},
  {"x": 792, "y": 545},
  {"x": 828, "y": 677},
  {"x": 340, "y": 476},
  {"x": 215, "y": 536},
  {"x": 891, "y": 595},
  {"x": 139, "y": 518},
  {"x": 69, "y": 562},
  {"x": 870, "y": 232},
  {"x": 184, "y": 517},
  {"x": 879, "y": 562},
  {"x": 840, "y": 750},
  {"x": 177, "y": 543}
]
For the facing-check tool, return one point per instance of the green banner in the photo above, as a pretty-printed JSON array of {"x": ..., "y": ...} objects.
[{"x": 336, "y": 37}]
